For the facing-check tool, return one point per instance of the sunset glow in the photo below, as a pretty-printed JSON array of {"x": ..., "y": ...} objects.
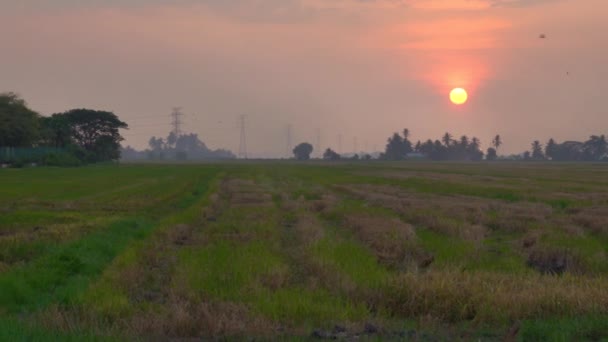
[{"x": 458, "y": 96}]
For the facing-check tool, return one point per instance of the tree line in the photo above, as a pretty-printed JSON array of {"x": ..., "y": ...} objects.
[
  {"x": 77, "y": 136},
  {"x": 177, "y": 147},
  {"x": 448, "y": 148}
]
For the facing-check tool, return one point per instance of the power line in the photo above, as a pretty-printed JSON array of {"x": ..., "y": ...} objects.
[{"x": 243, "y": 139}]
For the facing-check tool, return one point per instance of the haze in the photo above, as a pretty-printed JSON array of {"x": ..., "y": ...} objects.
[{"x": 350, "y": 68}]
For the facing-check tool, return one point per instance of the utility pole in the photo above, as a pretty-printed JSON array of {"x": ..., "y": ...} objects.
[
  {"x": 243, "y": 140},
  {"x": 176, "y": 121},
  {"x": 289, "y": 144}
]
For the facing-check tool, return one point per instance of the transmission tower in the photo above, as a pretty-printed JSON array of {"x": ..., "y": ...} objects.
[
  {"x": 243, "y": 140},
  {"x": 340, "y": 143},
  {"x": 176, "y": 121},
  {"x": 289, "y": 146},
  {"x": 355, "y": 145}
]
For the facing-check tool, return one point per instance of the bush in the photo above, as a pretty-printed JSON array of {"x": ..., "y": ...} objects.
[{"x": 61, "y": 159}]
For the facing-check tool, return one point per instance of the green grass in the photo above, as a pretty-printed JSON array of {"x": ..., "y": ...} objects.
[
  {"x": 135, "y": 251},
  {"x": 15, "y": 331},
  {"x": 448, "y": 251},
  {"x": 591, "y": 328},
  {"x": 66, "y": 271}
]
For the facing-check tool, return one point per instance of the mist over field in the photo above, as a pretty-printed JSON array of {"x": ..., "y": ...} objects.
[{"x": 355, "y": 69}]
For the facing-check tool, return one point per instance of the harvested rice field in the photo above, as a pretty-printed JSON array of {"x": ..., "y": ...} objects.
[{"x": 285, "y": 251}]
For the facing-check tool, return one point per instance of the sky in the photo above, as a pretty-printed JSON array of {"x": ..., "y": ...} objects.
[{"x": 349, "y": 71}]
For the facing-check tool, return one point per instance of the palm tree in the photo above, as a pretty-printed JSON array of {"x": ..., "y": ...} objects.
[
  {"x": 464, "y": 141},
  {"x": 475, "y": 143},
  {"x": 447, "y": 139},
  {"x": 496, "y": 142}
]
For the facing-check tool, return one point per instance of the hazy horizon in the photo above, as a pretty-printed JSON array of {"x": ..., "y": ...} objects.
[{"x": 349, "y": 68}]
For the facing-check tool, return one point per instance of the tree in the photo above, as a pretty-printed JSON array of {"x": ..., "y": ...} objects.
[
  {"x": 464, "y": 141},
  {"x": 156, "y": 144},
  {"x": 171, "y": 140},
  {"x": 491, "y": 154},
  {"x": 56, "y": 131},
  {"x": 97, "y": 132},
  {"x": 303, "y": 151},
  {"x": 19, "y": 125},
  {"x": 474, "y": 151},
  {"x": 395, "y": 148},
  {"x": 447, "y": 139},
  {"x": 537, "y": 151},
  {"x": 407, "y": 144},
  {"x": 496, "y": 142},
  {"x": 595, "y": 148},
  {"x": 331, "y": 155},
  {"x": 551, "y": 149}
]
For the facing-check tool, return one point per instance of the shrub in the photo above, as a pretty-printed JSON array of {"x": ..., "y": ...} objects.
[{"x": 61, "y": 159}]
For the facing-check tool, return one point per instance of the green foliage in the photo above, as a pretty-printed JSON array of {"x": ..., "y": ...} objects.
[
  {"x": 65, "y": 271},
  {"x": 586, "y": 328},
  {"x": 61, "y": 159},
  {"x": 19, "y": 125}
]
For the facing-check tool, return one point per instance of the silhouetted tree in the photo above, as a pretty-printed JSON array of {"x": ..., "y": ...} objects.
[
  {"x": 447, "y": 139},
  {"x": 497, "y": 142},
  {"x": 595, "y": 148},
  {"x": 303, "y": 151},
  {"x": 398, "y": 147},
  {"x": 171, "y": 140},
  {"x": 96, "y": 132},
  {"x": 551, "y": 149},
  {"x": 156, "y": 144},
  {"x": 491, "y": 154},
  {"x": 394, "y": 148},
  {"x": 537, "y": 151},
  {"x": 474, "y": 150},
  {"x": 329, "y": 154}
]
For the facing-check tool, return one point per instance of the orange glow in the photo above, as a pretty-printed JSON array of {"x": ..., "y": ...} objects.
[{"x": 458, "y": 96}]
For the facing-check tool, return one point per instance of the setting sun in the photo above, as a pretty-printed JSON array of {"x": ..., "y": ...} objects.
[{"x": 458, "y": 96}]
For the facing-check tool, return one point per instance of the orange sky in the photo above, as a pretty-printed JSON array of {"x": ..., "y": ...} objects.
[{"x": 347, "y": 67}]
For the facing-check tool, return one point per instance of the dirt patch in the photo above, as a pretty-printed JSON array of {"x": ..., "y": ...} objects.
[{"x": 554, "y": 261}]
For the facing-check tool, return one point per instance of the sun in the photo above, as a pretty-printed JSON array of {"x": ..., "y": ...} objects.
[{"x": 458, "y": 96}]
